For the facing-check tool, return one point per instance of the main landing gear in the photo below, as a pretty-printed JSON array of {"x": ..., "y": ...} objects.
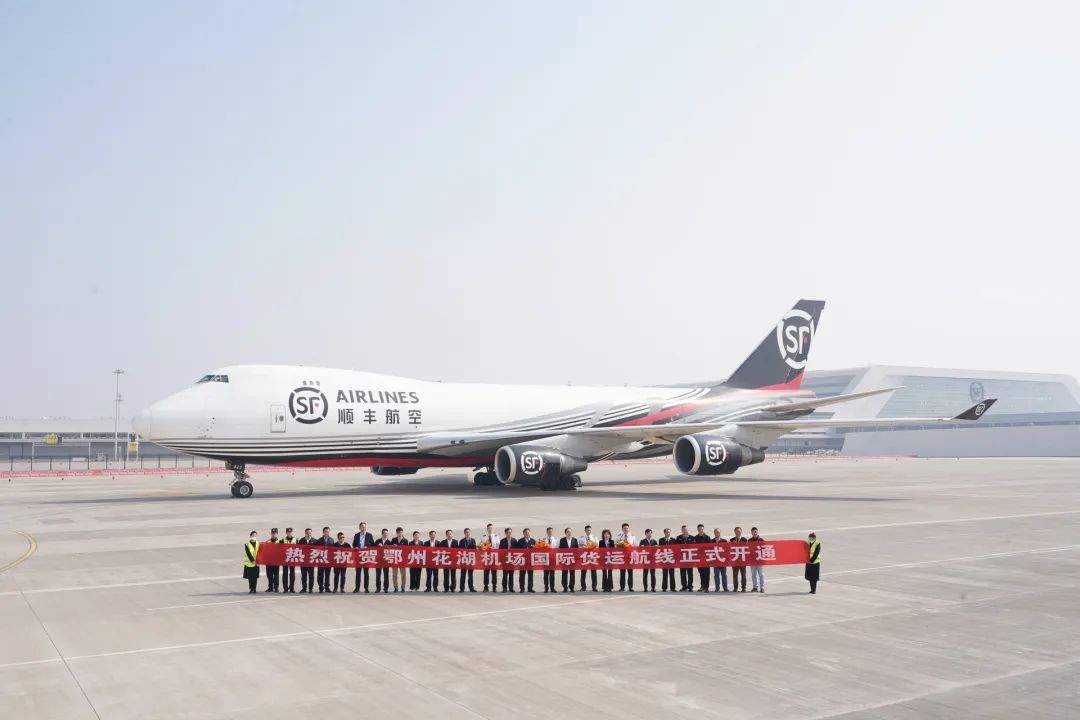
[
  {"x": 487, "y": 478},
  {"x": 240, "y": 486},
  {"x": 561, "y": 482}
]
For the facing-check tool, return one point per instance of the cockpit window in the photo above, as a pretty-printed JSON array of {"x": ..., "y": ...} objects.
[{"x": 213, "y": 378}]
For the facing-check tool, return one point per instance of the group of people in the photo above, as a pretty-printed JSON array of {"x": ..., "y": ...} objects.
[{"x": 333, "y": 580}]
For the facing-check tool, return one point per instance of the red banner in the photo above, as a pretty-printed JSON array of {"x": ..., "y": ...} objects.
[{"x": 779, "y": 552}]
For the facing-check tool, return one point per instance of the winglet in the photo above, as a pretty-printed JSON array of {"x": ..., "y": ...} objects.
[{"x": 976, "y": 411}]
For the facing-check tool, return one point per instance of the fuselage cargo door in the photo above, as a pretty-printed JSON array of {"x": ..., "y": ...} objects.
[{"x": 277, "y": 418}]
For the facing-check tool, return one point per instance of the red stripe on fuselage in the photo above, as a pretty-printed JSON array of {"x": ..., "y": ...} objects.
[{"x": 389, "y": 462}]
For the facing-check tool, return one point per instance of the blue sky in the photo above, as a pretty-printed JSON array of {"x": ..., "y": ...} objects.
[{"x": 535, "y": 192}]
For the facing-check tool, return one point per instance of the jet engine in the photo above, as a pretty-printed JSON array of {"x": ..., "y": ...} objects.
[
  {"x": 534, "y": 465},
  {"x": 706, "y": 454}
]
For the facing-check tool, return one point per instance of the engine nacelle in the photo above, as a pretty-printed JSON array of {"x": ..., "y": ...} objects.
[
  {"x": 706, "y": 454},
  {"x": 531, "y": 464}
]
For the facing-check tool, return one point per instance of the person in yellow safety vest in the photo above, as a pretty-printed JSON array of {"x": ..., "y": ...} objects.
[
  {"x": 251, "y": 567},
  {"x": 288, "y": 573},
  {"x": 813, "y": 567}
]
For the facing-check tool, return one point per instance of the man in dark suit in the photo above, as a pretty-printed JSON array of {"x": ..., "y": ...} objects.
[
  {"x": 449, "y": 575},
  {"x": 568, "y": 541},
  {"x": 362, "y": 539},
  {"x": 415, "y": 572},
  {"x": 525, "y": 543},
  {"x": 686, "y": 575},
  {"x": 307, "y": 572},
  {"x": 648, "y": 574},
  {"x": 324, "y": 571},
  {"x": 507, "y": 543},
  {"x": 382, "y": 574},
  {"x": 702, "y": 538},
  {"x": 667, "y": 573},
  {"x": 431, "y": 574},
  {"x": 468, "y": 542}
]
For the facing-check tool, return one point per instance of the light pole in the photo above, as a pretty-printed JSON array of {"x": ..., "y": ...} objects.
[{"x": 116, "y": 417}]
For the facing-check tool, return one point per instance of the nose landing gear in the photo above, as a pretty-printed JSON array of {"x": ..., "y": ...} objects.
[{"x": 240, "y": 486}]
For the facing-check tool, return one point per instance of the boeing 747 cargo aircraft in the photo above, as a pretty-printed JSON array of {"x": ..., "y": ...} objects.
[{"x": 526, "y": 434}]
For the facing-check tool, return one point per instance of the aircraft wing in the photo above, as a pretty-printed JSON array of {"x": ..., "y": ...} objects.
[
  {"x": 470, "y": 443},
  {"x": 815, "y": 403}
]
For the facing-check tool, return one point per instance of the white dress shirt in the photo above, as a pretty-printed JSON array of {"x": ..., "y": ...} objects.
[
  {"x": 627, "y": 537},
  {"x": 588, "y": 539}
]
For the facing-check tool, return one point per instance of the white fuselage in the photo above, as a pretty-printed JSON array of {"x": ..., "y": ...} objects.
[{"x": 327, "y": 417}]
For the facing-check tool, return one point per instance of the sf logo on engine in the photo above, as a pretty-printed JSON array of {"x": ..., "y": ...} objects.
[
  {"x": 715, "y": 453},
  {"x": 531, "y": 462},
  {"x": 307, "y": 405},
  {"x": 794, "y": 333}
]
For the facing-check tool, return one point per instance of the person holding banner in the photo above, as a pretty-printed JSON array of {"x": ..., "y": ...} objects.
[
  {"x": 288, "y": 573},
  {"x": 508, "y": 543},
  {"x": 339, "y": 572},
  {"x": 686, "y": 575},
  {"x": 362, "y": 539},
  {"x": 449, "y": 575},
  {"x": 702, "y": 538},
  {"x": 431, "y": 576},
  {"x": 307, "y": 572},
  {"x": 607, "y": 578},
  {"x": 648, "y": 573},
  {"x": 398, "y": 573},
  {"x": 414, "y": 573},
  {"x": 667, "y": 575},
  {"x": 738, "y": 571},
  {"x": 719, "y": 573},
  {"x": 251, "y": 565},
  {"x": 588, "y": 540},
  {"x": 492, "y": 541},
  {"x": 382, "y": 574},
  {"x": 323, "y": 575},
  {"x": 757, "y": 572},
  {"x": 813, "y": 567},
  {"x": 525, "y": 543},
  {"x": 626, "y": 539},
  {"x": 569, "y": 541},
  {"x": 273, "y": 572},
  {"x": 549, "y": 575},
  {"x": 469, "y": 542}
]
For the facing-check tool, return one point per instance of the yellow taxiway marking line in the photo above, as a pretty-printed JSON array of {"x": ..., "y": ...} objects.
[{"x": 29, "y": 551}]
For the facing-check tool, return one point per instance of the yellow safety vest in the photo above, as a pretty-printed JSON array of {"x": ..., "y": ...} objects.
[
  {"x": 287, "y": 541},
  {"x": 249, "y": 556},
  {"x": 814, "y": 546}
]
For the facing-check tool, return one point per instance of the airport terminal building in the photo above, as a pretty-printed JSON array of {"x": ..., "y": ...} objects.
[{"x": 1037, "y": 415}]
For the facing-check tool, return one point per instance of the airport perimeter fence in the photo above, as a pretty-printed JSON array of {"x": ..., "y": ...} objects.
[{"x": 84, "y": 464}]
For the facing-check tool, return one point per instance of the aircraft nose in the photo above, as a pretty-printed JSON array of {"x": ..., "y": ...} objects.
[{"x": 142, "y": 423}]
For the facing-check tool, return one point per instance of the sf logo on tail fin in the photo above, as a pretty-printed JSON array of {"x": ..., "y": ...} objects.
[{"x": 794, "y": 333}]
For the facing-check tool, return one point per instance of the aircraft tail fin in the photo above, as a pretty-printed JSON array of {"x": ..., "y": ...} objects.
[{"x": 780, "y": 360}]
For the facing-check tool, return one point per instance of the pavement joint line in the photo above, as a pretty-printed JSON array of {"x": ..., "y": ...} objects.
[
  {"x": 67, "y": 665},
  {"x": 30, "y": 550},
  {"x": 950, "y": 687}
]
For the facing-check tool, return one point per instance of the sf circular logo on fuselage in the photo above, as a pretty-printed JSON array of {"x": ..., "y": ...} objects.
[
  {"x": 794, "y": 333},
  {"x": 531, "y": 462},
  {"x": 308, "y": 405},
  {"x": 715, "y": 453}
]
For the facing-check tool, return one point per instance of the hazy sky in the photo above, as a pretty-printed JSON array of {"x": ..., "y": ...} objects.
[{"x": 535, "y": 192}]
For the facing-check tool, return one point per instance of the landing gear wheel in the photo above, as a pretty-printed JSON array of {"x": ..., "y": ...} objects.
[
  {"x": 242, "y": 489},
  {"x": 577, "y": 480},
  {"x": 485, "y": 478},
  {"x": 562, "y": 482},
  {"x": 232, "y": 489}
]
